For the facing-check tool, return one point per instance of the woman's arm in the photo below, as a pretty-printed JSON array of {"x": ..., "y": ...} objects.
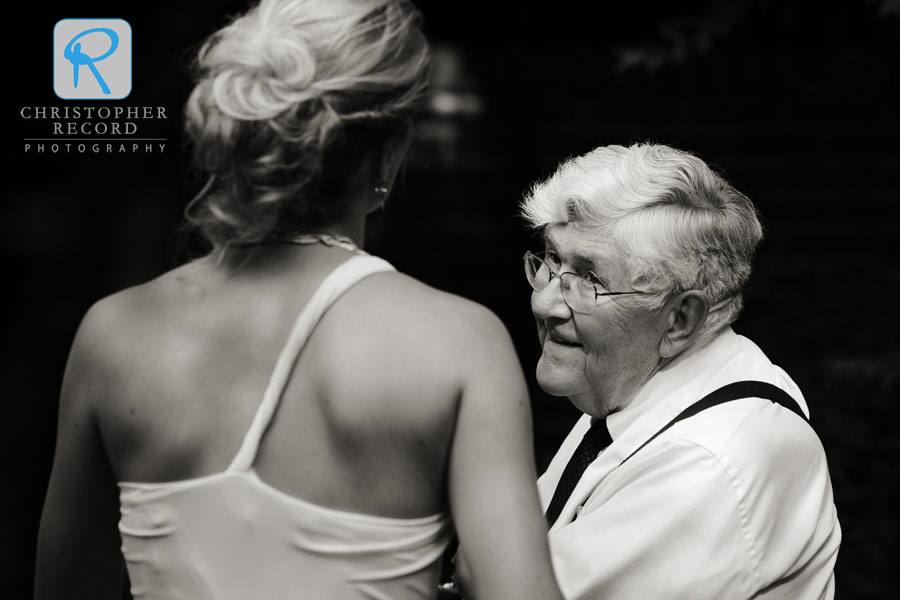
[
  {"x": 78, "y": 552},
  {"x": 493, "y": 496}
]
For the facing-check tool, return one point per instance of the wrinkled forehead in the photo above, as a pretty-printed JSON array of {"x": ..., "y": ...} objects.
[{"x": 577, "y": 242}]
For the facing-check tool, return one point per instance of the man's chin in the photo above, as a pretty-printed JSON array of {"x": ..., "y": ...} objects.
[{"x": 557, "y": 380}]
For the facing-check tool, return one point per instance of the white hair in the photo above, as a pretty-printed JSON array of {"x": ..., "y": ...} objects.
[{"x": 678, "y": 225}]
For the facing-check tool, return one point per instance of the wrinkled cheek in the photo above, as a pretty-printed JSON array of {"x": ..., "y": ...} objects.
[
  {"x": 601, "y": 371},
  {"x": 616, "y": 378},
  {"x": 594, "y": 368}
]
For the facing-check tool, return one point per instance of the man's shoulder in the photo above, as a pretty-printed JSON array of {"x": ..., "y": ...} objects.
[
  {"x": 749, "y": 426},
  {"x": 765, "y": 453},
  {"x": 746, "y": 421}
]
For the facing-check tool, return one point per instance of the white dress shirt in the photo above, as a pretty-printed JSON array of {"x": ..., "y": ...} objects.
[{"x": 734, "y": 502}]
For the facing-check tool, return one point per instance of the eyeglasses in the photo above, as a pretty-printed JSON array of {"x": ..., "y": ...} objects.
[{"x": 579, "y": 293}]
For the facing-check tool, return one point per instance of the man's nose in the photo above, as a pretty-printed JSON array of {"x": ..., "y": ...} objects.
[{"x": 549, "y": 302}]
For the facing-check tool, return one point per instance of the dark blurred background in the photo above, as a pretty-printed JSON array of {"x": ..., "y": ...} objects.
[{"x": 798, "y": 102}]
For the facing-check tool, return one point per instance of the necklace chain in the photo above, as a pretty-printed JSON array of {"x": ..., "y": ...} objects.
[
  {"x": 332, "y": 240},
  {"x": 328, "y": 239}
]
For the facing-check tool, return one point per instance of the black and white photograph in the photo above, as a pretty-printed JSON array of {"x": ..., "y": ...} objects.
[{"x": 418, "y": 299}]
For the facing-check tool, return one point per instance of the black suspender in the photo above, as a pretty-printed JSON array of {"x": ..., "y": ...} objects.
[{"x": 732, "y": 391}]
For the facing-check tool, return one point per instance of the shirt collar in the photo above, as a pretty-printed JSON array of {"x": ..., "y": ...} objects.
[{"x": 685, "y": 368}]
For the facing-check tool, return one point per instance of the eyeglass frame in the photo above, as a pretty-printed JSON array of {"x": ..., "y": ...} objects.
[{"x": 531, "y": 282}]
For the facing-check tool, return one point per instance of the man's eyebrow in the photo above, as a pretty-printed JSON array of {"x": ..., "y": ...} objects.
[
  {"x": 594, "y": 261},
  {"x": 584, "y": 259}
]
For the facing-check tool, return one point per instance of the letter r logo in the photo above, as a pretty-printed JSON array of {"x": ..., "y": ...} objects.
[{"x": 92, "y": 59}]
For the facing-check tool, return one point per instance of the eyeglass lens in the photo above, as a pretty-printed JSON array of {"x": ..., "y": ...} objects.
[{"x": 577, "y": 293}]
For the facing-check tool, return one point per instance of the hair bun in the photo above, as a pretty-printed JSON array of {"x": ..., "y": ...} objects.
[{"x": 291, "y": 100}]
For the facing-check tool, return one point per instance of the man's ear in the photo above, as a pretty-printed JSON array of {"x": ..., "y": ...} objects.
[{"x": 685, "y": 315}]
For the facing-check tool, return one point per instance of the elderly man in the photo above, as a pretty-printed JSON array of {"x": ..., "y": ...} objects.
[{"x": 646, "y": 251}]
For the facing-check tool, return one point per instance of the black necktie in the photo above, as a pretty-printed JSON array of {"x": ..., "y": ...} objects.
[{"x": 595, "y": 439}]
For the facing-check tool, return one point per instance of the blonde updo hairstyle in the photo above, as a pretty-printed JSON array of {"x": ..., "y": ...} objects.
[{"x": 291, "y": 99}]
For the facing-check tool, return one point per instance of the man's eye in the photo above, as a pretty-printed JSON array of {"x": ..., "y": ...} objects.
[
  {"x": 595, "y": 281},
  {"x": 552, "y": 259}
]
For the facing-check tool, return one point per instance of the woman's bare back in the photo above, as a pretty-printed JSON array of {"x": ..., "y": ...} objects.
[{"x": 367, "y": 417}]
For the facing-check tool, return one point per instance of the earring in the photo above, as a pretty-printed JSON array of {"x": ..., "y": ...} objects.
[{"x": 382, "y": 190}]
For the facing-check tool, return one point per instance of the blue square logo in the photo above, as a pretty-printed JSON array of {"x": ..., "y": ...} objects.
[{"x": 92, "y": 59}]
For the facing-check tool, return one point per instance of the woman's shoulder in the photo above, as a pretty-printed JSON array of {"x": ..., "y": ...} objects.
[
  {"x": 392, "y": 319},
  {"x": 411, "y": 346},
  {"x": 417, "y": 307},
  {"x": 132, "y": 303},
  {"x": 119, "y": 321},
  {"x": 103, "y": 346}
]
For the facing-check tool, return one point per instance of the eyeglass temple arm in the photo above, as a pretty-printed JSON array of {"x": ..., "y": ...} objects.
[{"x": 596, "y": 294}]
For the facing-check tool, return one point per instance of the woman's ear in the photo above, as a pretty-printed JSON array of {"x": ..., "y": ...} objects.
[
  {"x": 686, "y": 314},
  {"x": 393, "y": 156}
]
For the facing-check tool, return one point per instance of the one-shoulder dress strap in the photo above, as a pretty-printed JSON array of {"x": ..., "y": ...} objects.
[{"x": 336, "y": 283}]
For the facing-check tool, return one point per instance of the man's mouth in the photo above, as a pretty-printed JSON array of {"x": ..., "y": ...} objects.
[{"x": 562, "y": 341}]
